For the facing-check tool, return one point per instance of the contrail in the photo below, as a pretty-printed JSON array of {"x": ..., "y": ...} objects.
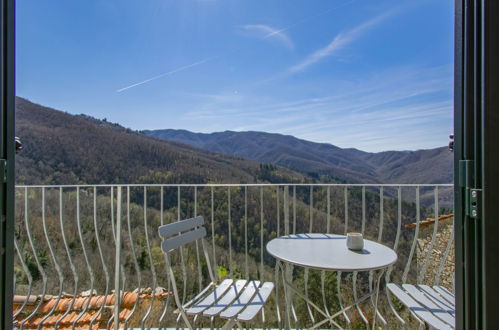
[{"x": 182, "y": 68}]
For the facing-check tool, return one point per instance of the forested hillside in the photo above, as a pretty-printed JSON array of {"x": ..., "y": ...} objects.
[
  {"x": 422, "y": 166},
  {"x": 59, "y": 148}
]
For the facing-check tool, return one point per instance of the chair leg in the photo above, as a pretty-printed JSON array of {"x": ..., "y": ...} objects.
[
  {"x": 179, "y": 316},
  {"x": 186, "y": 319},
  {"x": 229, "y": 324}
]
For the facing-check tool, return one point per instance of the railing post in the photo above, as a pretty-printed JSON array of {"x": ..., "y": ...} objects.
[
  {"x": 117, "y": 266},
  {"x": 286, "y": 210}
]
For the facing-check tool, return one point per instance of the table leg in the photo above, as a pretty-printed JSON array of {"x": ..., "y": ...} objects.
[{"x": 289, "y": 287}]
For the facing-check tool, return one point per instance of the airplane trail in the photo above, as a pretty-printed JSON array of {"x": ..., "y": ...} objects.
[
  {"x": 185, "y": 67},
  {"x": 182, "y": 68}
]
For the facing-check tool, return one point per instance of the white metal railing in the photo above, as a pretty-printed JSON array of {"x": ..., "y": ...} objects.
[{"x": 74, "y": 238}]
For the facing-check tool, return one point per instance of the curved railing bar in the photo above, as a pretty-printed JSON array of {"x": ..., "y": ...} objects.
[
  {"x": 111, "y": 199},
  {"x": 328, "y": 210},
  {"x": 213, "y": 233},
  {"x": 444, "y": 257},
  {"x": 346, "y": 207},
  {"x": 277, "y": 300},
  {"x": 340, "y": 299},
  {"x": 305, "y": 273},
  {"x": 134, "y": 258},
  {"x": 167, "y": 300},
  {"x": 328, "y": 230},
  {"x": 363, "y": 228},
  {"x": 181, "y": 250},
  {"x": 338, "y": 274},
  {"x": 261, "y": 234},
  {"x": 151, "y": 262},
  {"x": 87, "y": 261},
  {"x": 294, "y": 210},
  {"x": 200, "y": 274},
  {"x": 71, "y": 265},
  {"x": 432, "y": 243},
  {"x": 305, "y": 284},
  {"x": 287, "y": 228},
  {"x": 415, "y": 241},
  {"x": 262, "y": 312},
  {"x": 381, "y": 212},
  {"x": 229, "y": 229},
  {"x": 278, "y": 210},
  {"x": 112, "y": 213},
  {"x": 276, "y": 268},
  {"x": 354, "y": 275},
  {"x": 356, "y": 297},
  {"x": 323, "y": 288},
  {"x": 101, "y": 255},
  {"x": 246, "y": 260},
  {"x": 28, "y": 275},
  {"x": 38, "y": 263},
  {"x": 119, "y": 229},
  {"x": 311, "y": 210},
  {"x": 122, "y": 277},
  {"x": 118, "y": 294},
  {"x": 54, "y": 259},
  {"x": 395, "y": 245},
  {"x": 380, "y": 236}
]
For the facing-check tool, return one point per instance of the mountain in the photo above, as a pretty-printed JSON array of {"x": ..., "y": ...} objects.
[
  {"x": 60, "y": 148},
  {"x": 422, "y": 166}
]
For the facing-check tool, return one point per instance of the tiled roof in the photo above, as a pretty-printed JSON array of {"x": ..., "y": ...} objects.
[
  {"x": 430, "y": 221},
  {"x": 77, "y": 304}
]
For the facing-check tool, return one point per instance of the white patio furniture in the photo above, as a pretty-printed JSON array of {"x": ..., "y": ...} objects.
[
  {"x": 434, "y": 306},
  {"x": 234, "y": 300},
  {"x": 329, "y": 252}
]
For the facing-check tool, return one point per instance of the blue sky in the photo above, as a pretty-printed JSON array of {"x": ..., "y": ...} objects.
[{"x": 371, "y": 74}]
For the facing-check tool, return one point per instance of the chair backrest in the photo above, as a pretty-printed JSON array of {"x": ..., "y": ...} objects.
[{"x": 177, "y": 234}]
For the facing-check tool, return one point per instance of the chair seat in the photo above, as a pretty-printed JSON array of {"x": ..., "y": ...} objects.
[
  {"x": 230, "y": 299},
  {"x": 433, "y": 305}
]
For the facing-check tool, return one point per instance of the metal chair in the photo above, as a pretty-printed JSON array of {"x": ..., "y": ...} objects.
[
  {"x": 236, "y": 301},
  {"x": 433, "y": 305}
]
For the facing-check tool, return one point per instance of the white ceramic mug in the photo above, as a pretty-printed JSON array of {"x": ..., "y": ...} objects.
[{"x": 355, "y": 241}]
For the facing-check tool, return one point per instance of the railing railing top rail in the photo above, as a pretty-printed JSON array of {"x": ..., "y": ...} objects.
[{"x": 241, "y": 185}]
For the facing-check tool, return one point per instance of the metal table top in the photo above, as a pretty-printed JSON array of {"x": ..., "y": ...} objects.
[{"x": 330, "y": 252}]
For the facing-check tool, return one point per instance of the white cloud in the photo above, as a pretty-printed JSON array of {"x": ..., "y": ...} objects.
[
  {"x": 339, "y": 42},
  {"x": 264, "y": 32}
]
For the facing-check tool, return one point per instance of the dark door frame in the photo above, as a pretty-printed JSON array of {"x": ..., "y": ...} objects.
[
  {"x": 476, "y": 125},
  {"x": 7, "y": 154}
]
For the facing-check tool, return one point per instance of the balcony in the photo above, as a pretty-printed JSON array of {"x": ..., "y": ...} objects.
[{"x": 86, "y": 260}]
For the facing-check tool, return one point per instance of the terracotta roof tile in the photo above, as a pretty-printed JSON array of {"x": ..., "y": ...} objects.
[
  {"x": 79, "y": 303},
  {"x": 430, "y": 221}
]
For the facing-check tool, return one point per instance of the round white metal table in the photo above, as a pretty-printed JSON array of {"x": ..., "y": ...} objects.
[{"x": 329, "y": 252}]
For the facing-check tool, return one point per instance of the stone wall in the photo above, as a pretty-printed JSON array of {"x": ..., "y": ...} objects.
[{"x": 444, "y": 232}]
